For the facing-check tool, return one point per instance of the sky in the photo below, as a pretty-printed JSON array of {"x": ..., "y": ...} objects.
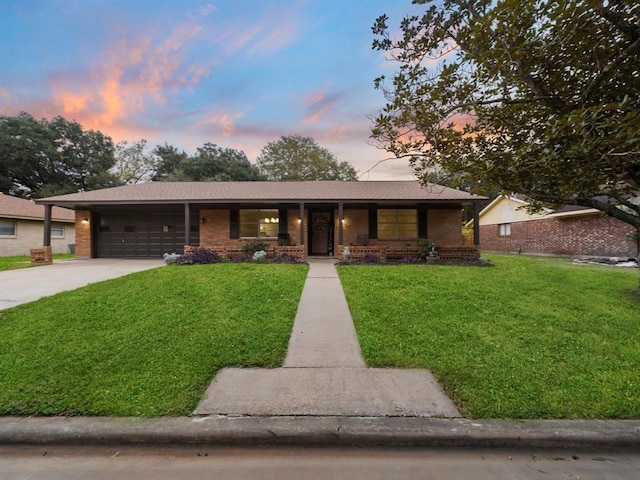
[{"x": 237, "y": 73}]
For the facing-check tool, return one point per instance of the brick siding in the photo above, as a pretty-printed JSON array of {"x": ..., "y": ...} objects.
[
  {"x": 83, "y": 234},
  {"x": 444, "y": 227},
  {"x": 596, "y": 235}
]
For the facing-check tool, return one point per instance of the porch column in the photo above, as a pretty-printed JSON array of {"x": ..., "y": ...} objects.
[
  {"x": 340, "y": 220},
  {"x": 187, "y": 224},
  {"x": 476, "y": 224},
  {"x": 46, "y": 241},
  {"x": 301, "y": 221}
]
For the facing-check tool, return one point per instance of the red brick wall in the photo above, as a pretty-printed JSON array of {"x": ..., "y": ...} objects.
[
  {"x": 83, "y": 234},
  {"x": 216, "y": 229},
  {"x": 444, "y": 227},
  {"x": 356, "y": 222},
  {"x": 587, "y": 235}
]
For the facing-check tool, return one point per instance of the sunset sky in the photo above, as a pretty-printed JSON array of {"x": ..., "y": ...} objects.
[{"x": 236, "y": 73}]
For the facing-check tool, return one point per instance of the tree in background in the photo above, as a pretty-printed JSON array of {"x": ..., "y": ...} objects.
[
  {"x": 169, "y": 158},
  {"x": 211, "y": 163},
  {"x": 134, "y": 165},
  {"x": 537, "y": 97},
  {"x": 296, "y": 158},
  {"x": 41, "y": 158}
]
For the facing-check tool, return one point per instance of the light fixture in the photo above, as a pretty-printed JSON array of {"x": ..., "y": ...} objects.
[
  {"x": 85, "y": 220},
  {"x": 266, "y": 220},
  {"x": 274, "y": 220}
]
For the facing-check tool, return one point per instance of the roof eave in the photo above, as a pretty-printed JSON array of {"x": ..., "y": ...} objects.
[{"x": 76, "y": 204}]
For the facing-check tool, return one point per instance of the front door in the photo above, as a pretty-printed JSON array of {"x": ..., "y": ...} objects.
[{"x": 321, "y": 233}]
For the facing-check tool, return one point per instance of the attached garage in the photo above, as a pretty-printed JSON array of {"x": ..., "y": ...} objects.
[
  {"x": 141, "y": 232},
  {"x": 317, "y": 218}
]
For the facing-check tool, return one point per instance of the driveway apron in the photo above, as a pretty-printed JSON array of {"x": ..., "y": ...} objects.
[
  {"x": 29, "y": 284},
  {"x": 324, "y": 373}
]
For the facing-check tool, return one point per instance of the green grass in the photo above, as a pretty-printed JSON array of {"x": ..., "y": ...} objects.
[
  {"x": 531, "y": 337},
  {"x": 24, "y": 261},
  {"x": 147, "y": 344}
]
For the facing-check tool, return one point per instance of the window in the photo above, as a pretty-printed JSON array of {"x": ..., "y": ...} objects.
[
  {"x": 57, "y": 230},
  {"x": 7, "y": 228},
  {"x": 504, "y": 229},
  {"x": 397, "y": 223},
  {"x": 259, "y": 222}
]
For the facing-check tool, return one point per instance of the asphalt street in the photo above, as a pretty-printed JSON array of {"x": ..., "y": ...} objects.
[{"x": 114, "y": 463}]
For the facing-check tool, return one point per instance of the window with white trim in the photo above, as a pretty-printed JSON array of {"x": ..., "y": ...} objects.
[
  {"x": 259, "y": 222},
  {"x": 504, "y": 229},
  {"x": 7, "y": 228},
  {"x": 57, "y": 230},
  {"x": 397, "y": 223}
]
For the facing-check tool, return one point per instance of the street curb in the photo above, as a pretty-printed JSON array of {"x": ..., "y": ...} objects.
[{"x": 321, "y": 431}]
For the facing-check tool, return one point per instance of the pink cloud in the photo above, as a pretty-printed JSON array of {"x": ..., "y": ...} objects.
[
  {"x": 319, "y": 103},
  {"x": 5, "y": 94},
  {"x": 129, "y": 76},
  {"x": 221, "y": 122},
  {"x": 276, "y": 36},
  {"x": 202, "y": 11},
  {"x": 276, "y": 29}
]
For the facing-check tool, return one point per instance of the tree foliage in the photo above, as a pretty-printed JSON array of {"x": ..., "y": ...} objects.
[
  {"x": 133, "y": 164},
  {"x": 169, "y": 158},
  {"x": 537, "y": 97},
  {"x": 40, "y": 157},
  {"x": 297, "y": 158},
  {"x": 211, "y": 163}
]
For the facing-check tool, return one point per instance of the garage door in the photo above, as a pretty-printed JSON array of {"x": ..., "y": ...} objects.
[{"x": 137, "y": 234}]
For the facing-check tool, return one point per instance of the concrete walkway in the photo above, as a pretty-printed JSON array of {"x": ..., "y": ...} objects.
[
  {"x": 29, "y": 284},
  {"x": 324, "y": 373}
]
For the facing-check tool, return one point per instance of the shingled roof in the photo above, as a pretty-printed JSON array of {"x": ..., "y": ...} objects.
[
  {"x": 19, "y": 208},
  {"x": 246, "y": 192}
]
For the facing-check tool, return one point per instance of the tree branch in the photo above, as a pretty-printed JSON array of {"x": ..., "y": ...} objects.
[
  {"x": 628, "y": 52},
  {"x": 618, "y": 21}
]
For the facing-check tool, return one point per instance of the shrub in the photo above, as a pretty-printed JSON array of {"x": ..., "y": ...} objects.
[
  {"x": 240, "y": 257},
  {"x": 201, "y": 256},
  {"x": 255, "y": 246},
  {"x": 260, "y": 256},
  {"x": 410, "y": 260},
  {"x": 368, "y": 259},
  {"x": 428, "y": 248},
  {"x": 285, "y": 258},
  {"x": 170, "y": 258}
]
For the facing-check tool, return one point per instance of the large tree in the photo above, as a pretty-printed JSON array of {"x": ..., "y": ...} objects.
[
  {"x": 39, "y": 158},
  {"x": 297, "y": 158},
  {"x": 211, "y": 163},
  {"x": 169, "y": 160},
  {"x": 133, "y": 163},
  {"x": 533, "y": 96}
]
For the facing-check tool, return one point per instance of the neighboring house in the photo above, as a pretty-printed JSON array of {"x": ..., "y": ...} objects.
[
  {"x": 506, "y": 226},
  {"x": 22, "y": 227},
  {"x": 147, "y": 220}
]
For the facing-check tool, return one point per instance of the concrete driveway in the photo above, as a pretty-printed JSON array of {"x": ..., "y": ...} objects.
[{"x": 29, "y": 284}]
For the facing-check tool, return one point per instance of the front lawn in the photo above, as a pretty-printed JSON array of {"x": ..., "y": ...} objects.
[
  {"x": 147, "y": 344},
  {"x": 24, "y": 261},
  {"x": 531, "y": 337}
]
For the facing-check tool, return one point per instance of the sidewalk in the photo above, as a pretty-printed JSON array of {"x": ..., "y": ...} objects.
[{"x": 324, "y": 373}]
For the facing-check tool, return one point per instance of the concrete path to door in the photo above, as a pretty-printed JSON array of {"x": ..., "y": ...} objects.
[
  {"x": 29, "y": 284},
  {"x": 324, "y": 373}
]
